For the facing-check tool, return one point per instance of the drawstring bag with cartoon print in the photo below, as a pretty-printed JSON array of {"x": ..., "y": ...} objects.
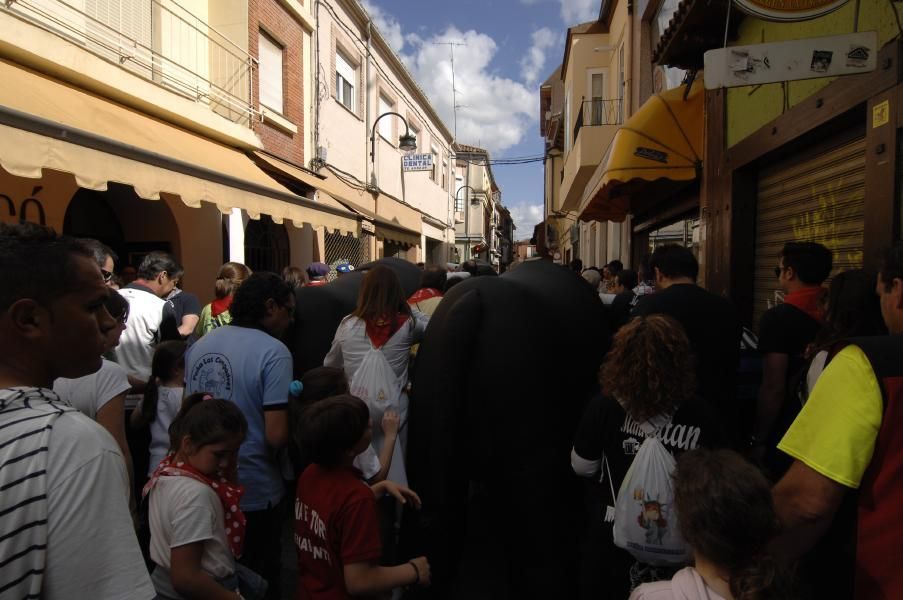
[{"x": 645, "y": 520}]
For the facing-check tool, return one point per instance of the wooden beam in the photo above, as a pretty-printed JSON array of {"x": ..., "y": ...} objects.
[
  {"x": 835, "y": 99},
  {"x": 715, "y": 197}
]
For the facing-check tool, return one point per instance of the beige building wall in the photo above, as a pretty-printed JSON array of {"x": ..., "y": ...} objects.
[{"x": 345, "y": 133}]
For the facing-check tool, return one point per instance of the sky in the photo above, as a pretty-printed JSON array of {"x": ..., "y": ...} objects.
[{"x": 510, "y": 48}]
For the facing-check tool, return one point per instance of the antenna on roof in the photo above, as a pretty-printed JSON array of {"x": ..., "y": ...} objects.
[{"x": 451, "y": 45}]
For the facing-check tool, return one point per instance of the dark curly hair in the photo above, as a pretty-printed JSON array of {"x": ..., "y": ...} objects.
[
  {"x": 249, "y": 302},
  {"x": 649, "y": 370},
  {"x": 727, "y": 516}
]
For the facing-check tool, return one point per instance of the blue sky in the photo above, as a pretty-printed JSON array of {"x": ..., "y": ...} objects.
[{"x": 511, "y": 48}]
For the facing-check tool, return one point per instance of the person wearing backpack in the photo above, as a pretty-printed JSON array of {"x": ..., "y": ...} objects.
[
  {"x": 373, "y": 345},
  {"x": 648, "y": 397}
]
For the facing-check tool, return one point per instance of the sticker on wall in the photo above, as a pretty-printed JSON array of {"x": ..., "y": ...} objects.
[
  {"x": 858, "y": 57},
  {"x": 821, "y": 61},
  {"x": 880, "y": 114}
]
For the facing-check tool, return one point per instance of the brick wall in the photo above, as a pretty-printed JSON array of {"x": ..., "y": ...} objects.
[{"x": 279, "y": 24}]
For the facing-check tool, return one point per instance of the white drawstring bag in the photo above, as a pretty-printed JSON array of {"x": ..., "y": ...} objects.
[
  {"x": 645, "y": 522},
  {"x": 376, "y": 384}
]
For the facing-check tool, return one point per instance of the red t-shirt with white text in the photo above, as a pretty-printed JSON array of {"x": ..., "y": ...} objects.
[{"x": 336, "y": 524}]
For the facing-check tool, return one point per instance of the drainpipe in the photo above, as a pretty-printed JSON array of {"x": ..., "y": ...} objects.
[
  {"x": 368, "y": 176},
  {"x": 316, "y": 90}
]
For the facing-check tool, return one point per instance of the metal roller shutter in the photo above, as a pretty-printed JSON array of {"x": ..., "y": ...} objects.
[{"x": 819, "y": 199}]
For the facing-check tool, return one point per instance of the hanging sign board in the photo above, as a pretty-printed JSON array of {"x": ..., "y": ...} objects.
[
  {"x": 849, "y": 54},
  {"x": 789, "y": 10},
  {"x": 417, "y": 162}
]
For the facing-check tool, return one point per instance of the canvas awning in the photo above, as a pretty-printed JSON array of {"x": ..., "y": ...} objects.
[
  {"x": 46, "y": 124},
  {"x": 392, "y": 220},
  {"x": 656, "y": 152}
]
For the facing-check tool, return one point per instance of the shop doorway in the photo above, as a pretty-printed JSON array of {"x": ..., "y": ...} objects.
[{"x": 266, "y": 245}]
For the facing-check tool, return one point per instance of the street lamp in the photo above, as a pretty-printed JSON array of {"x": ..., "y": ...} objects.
[
  {"x": 407, "y": 143},
  {"x": 466, "y": 215}
]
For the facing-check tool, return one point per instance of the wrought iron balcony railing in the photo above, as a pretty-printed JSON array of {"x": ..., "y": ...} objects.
[
  {"x": 158, "y": 40},
  {"x": 598, "y": 112}
]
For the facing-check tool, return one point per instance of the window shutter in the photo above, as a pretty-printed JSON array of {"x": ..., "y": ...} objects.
[{"x": 270, "y": 55}]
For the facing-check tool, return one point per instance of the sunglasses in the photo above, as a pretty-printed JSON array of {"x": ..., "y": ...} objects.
[{"x": 107, "y": 276}]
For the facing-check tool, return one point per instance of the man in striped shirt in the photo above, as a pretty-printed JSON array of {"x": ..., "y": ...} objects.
[{"x": 65, "y": 528}]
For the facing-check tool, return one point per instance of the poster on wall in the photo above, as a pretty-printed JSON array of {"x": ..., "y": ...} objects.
[
  {"x": 417, "y": 162},
  {"x": 757, "y": 64}
]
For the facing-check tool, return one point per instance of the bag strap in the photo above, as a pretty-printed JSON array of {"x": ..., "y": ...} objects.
[{"x": 611, "y": 483}]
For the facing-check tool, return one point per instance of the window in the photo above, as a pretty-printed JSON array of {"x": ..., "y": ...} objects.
[
  {"x": 622, "y": 84},
  {"x": 595, "y": 113},
  {"x": 385, "y": 124},
  {"x": 270, "y": 55},
  {"x": 345, "y": 81},
  {"x": 444, "y": 172},
  {"x": 434, "y": 175},
  {"x": 567, "y": 121},
  {"x": 415, "y": 131},
  {"x": 459, "y": 197}
]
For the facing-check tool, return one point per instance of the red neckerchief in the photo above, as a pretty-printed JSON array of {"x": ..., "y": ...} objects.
[
  {"x": 809, "y": 301},
  {"x": 424, "y": 294},
  {"x": 220, "y": 305},
  {"x": 380, "y": 330},
  {"x": 315, "y": 283},
  {"x": 229, "y": 494}
]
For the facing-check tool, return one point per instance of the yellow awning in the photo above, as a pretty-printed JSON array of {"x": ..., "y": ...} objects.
[
  {"x": 46, "y": 124},
  {"x": 393, "y": 220},
  {"x": 657, "y": 151}
]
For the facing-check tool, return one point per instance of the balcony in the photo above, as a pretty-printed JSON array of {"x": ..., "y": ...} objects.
[
  {"x": 159, "y": 41},
  {"x": 595, "y": 127}
]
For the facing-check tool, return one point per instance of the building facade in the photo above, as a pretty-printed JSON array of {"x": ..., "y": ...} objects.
[
  {"x": 138, "y": 123},
  {"x": 361, "y": 82},
  {"x": 483, "y": 226},
  {"x": 808, "y": 160}
]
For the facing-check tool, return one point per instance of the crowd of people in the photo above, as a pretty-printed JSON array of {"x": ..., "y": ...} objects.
[{"x": 177, "y": 441}]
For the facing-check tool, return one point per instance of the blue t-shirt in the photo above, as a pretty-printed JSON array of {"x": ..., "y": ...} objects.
[{"x": 254, "y": 370}]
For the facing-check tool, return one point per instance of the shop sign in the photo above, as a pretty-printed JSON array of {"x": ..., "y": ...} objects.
[
  {"x": 757, "y": 64},
  {"x": 368, "y": 226},
  {"x": 789, "y": 10},
  {"x": 417, "y": 162}
]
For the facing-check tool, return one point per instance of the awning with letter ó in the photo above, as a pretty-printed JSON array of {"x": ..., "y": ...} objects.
[
  {"x": 657, "y": 152},
  {"x": 46, "y": 124}
]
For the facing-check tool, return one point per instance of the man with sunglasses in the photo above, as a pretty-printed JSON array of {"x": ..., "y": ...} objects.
[
  {"x": 104, "y": 257},
  {"x": 785, "y": 331},
  {"x": 151, "y": 318}
]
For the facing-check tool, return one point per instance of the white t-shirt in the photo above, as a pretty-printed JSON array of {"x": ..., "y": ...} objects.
[
  {"x": 92, "y": 550},
  {"x": 183, "y": 511},
  {"x": 169, "y": 401},
  {"x": 90, "y": 393}
]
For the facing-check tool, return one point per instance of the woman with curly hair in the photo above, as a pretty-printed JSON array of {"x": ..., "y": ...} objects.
[
  {"x": 727, "y": 517},
  {"x": 648, "y": 378}
]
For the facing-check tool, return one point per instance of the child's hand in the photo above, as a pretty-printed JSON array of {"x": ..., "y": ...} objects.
[
  {"x": 390, "y": 423},
  {"x": 400, "y": 492},
  {"x": 423, "y": 570}
]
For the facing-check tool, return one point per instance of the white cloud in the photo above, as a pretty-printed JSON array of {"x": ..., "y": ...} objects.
[
  {"x": 534, "y": 60},
  {"x": 578, "y": 11},
  {"x": 494, "y": 112},
  {"x": 526, "y": 217},
  {"x": 387, "y": 25}
]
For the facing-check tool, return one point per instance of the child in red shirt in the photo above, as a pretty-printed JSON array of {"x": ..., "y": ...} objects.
[{"x": 336, "y": 520}]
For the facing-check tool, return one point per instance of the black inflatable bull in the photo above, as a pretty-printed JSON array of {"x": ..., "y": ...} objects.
[
  {"x": 320, "y": 309},
  {"x": 501, "y": 380}
]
